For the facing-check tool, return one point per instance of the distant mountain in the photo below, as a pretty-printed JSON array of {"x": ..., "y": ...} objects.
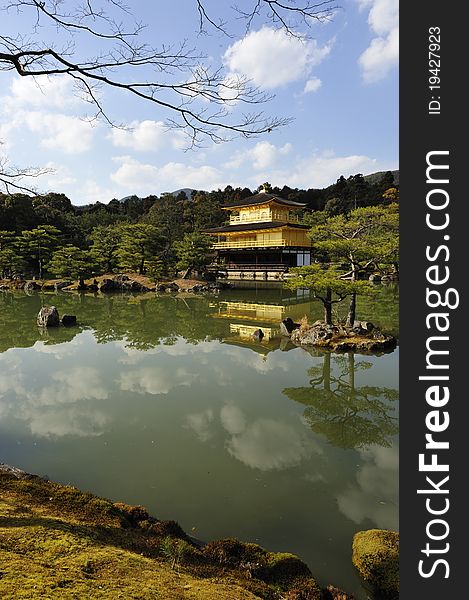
[
  {"x": 187, "y": 191},
  {"x": 128, "y": 198},
  {"x": 376, "y": 177}
]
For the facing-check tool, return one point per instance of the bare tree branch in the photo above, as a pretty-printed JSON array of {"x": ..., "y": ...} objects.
[
  {"x": 179, "y": 81},
  {"x": 12, "y": 177}
]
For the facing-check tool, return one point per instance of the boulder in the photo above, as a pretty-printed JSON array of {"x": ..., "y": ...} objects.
[
  {"x": 161, "y": 287},
  {"x": 172, "y": 287},
  {"x": 31, "y": 286},
  {"x": 363, "y": 326},
  {"x": 108, "y": 285},
  {"x": 48, "y": 316},
  {"x": 287, "y": 326},
  {"x": 258, "y": 335},
  {"x": 69, "y": 320},
  {"x": 315, "y": 334},
  {"x": 375, "y": 554}
]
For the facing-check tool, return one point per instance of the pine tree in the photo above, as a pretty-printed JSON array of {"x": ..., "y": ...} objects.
[
  {"x": 70, "y": 261},
  {"x": 326, "y": 285},
  {"x": 105, "y": 246},
  {"x": 38, "y": 244},
  {"x": 140, "y": 243},
  {"x": 193, "y": 252},
  {"x": 363, "y": 238}
]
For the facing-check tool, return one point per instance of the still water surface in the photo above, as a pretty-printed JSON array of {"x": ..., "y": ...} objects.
[{"x": 167, "y": 402}]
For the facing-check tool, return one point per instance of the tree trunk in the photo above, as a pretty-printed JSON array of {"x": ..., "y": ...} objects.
[
  {"x": 352, "y": 309},
  {"x": 351, "y": 371},
  {"x": 328, "y": 307},
  {"x": 353, "y": 300},
  {"x": 187, "y": 272},
  {"x": 81, "y": 283},
  {"x": 326, "y": 371}
]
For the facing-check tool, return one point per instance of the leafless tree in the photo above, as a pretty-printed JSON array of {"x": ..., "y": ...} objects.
[
  {"x": 12, "y": 177},
  {"x": 179, "y": 80},
  {"x": 60, "y": 37}
]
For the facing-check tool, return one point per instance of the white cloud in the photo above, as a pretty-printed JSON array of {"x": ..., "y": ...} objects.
[
  {"x": 200, "y": 424},
  {"x": 266, "y": 444},
  {"x": 71, "y": 420},
  {"x": 232, "y": 419},
  {"x": 318, "y": 170},
  {"x": 44, "y": 92},
  {"x": 272, "y": 59},
  {"x": 73, "y": 385},
  {"x": 141, "y": 178},
  {"x": 383, "y": 52},
  {"x": 375, "y": 495},
  {"x": 312, "y": 85},
  {"x": 60, "y": 132},
  {"x": 263, "y": 155},
  {"x": 147, "y": 136},
  {"x": 57, "y": 176},
  {"x": 58, "y": 408},
  {"x": 155, "y": 381}
]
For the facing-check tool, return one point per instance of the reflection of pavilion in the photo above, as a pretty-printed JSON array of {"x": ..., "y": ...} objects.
[
  {"x": 247, "y": 317},
  {"x": 262, "y": 312}
]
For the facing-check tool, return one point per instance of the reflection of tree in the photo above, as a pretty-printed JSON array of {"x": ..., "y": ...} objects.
[
  {"x": 141, "y": 322},
  {"x": 349, "y": 416}
]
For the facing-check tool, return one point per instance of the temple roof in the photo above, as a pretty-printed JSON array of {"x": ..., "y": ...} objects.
[
  {"x": 263, "y": 198},
  {"x": 255, "y": 226}
]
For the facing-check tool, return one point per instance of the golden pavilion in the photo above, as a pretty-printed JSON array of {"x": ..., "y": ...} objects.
[{"x": 263, "y": 238}]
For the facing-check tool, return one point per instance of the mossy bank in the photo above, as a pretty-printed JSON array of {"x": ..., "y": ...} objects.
[{"x": 58, "y": 542}]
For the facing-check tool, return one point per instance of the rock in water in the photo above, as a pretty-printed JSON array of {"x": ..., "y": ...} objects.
[
  {"x": 258, "y": 335},
  {"x": 31, "y": 286},
  {"x": 376, "y": 556},
  {"x": 69, "y": 320},
  {"x": 48, "y": 316},
  {"x": 287, "y": 326}
]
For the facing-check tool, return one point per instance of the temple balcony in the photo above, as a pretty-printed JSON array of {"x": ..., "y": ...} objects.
[
  {"x": 264, "y": 216},
  {"x": 251, "y": 244}
]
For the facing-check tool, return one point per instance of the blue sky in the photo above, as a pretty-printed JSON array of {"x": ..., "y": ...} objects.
[{"x": 340, "y": 86}]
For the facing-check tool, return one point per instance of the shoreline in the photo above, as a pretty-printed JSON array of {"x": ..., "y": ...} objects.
[{"x": 37, "y": 507}]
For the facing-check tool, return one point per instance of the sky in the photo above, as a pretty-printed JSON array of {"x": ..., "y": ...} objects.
[{"x": 339, "y": 85}]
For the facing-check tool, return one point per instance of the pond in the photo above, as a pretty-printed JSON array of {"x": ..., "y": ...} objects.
[{"x": 169, "y": 403}]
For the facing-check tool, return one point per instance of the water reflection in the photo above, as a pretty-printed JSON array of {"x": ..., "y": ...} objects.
[
  {"x": 374, "y": 494},
  {"x": 349, "y": 416},
  {"x": 293, "y": 450}
]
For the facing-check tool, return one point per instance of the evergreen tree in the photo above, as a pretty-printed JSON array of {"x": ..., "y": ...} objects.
[
  {"x": 193, "y": 252},
  {"x": 11, "y": 262},
  {"x": 38, "y": 244},
  {"x": 326, "y": 285},
  {"x": 70, "y": 261},
  {"x": 140, "y": 243},
  {"x": 366, "y": 236},
  {"x": 105, "y": 246}
]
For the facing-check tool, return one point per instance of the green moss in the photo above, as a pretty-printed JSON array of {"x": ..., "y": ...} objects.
[
  {"x": 375, "y": 553},
  {"x": 133, "y": 514},
  {"x": 280, "y": 570},
  {"x": 284, "y": 569}
]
